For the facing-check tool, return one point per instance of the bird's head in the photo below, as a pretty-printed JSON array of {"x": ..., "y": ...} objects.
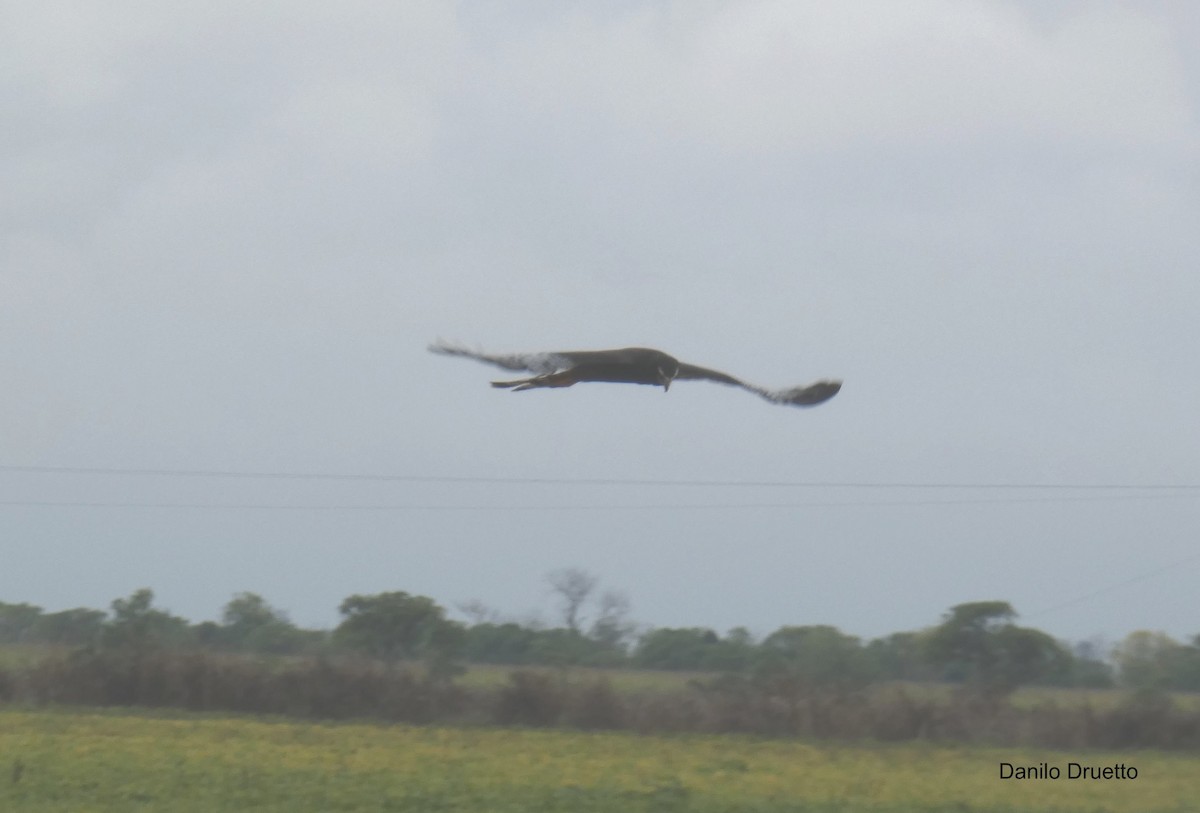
[{"x": 666, "y": 373}]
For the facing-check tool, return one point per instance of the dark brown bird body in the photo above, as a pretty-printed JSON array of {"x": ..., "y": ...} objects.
[{"x": 627, "y": 365}]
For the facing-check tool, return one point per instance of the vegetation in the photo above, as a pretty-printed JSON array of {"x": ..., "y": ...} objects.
[
  {"x": 774, "y": 704},
  {"x": 977, "y": 645},
  {"x": 398, "y": 657},
  {"x": 394, "y": 627},
  {"x": 103, "y": 762}
]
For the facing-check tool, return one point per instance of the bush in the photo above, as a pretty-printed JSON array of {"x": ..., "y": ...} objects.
[
  {"x": 763, "y": 705},
  {"x": 530, "y": 698}
]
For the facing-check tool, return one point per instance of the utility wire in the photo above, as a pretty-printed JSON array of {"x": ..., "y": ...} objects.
[
  {"x": 1116, "y": 586},
  {"x": 591, "y": 481},
  {"x": 1174, "y": 491},
  {"x": 549, "y": 506}
]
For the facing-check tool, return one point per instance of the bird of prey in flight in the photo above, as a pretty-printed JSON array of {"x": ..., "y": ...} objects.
[{"x": 629, "y": 365}]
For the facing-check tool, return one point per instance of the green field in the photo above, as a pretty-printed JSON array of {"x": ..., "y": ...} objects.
[{"x": 95, "y": 761}]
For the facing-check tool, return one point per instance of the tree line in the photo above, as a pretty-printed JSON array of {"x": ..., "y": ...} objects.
[{"x": 977, "y": 645}]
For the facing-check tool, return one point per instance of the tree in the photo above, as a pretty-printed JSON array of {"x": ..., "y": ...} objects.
[
  {"x": 814, "y": 656},
  {"x": 899, "y": 656},
  {"x": 478, "y": 612},
  {"x": 1089, "y": 668},
  {"x": 612, "y": 628},
  {"x": 498, "y": 643},
  {"x": 1155, "y": 661},
  {"x": 1185, "y": 666},
  {"x": 573, "y": 587},
  {"x": 1030, "y": 656},
  {"x": 249, "y": 622},
  {"x": 1145, "y": 659},
  {"x": 667, "y": 648},
  {"x": 561, "y": 647},
  {"x": 17, "y": 621},
  {"x": 77, "y": 627},
  {"x": 247, "y": 611},
  {"x": 733, "y": 653},
  {"x": 396, "y": 626},
  {"x": 978, "y": 644},
  {"x": 740, "y": 636},
  {"x": 963, "y": 646},
  {"x": 137, "y": 626}
]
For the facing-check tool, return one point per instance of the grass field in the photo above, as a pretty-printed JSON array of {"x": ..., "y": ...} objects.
[{"x": 92, "y": 761}]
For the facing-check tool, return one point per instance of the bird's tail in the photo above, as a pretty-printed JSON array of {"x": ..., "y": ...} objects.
[{"x": 540, "y": 363}]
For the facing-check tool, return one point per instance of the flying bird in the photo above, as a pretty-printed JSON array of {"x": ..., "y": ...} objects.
[{"x": 629, "y": 365}]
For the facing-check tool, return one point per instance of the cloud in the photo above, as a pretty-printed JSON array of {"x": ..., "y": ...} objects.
[
  {"x": 113, "y": 102},
  {"x": 818, "y": 76},
  {"x": 228, "y": 230}
]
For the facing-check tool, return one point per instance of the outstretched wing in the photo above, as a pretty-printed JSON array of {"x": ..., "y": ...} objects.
[
  {"x": 810, "y": 395},
  {"x": 538, "y": 363}
]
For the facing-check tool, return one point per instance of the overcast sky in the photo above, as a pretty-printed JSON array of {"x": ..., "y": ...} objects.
[{"x": 228, "y": 232}]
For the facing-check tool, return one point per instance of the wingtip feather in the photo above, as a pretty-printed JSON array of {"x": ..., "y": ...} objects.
[{"x": 813, "y": 394}]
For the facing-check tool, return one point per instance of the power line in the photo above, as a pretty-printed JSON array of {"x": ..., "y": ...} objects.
[
  {"x": 1117, "y": 585},
  {"x": 546, "y": 507},
  {"x": 588, "y": 481}
]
